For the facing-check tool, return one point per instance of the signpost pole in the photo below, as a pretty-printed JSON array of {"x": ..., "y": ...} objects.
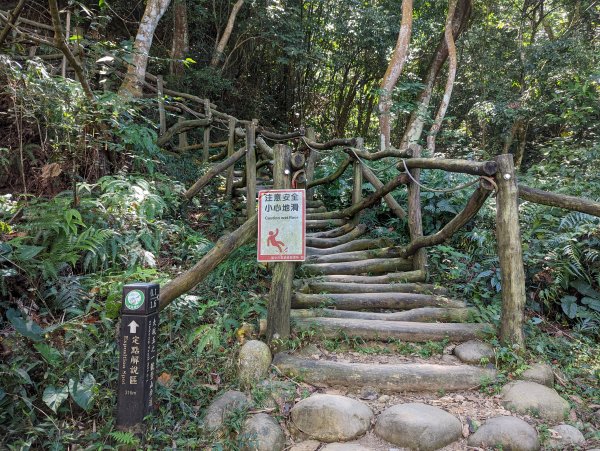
[
  {"x": 280, "y": 297},
  {"x": 137, "y": 353}
]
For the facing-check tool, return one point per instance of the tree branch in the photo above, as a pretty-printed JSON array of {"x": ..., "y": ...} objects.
[
  {"x": 12, "y": 19},
  {"x": 61, "y": 44}
]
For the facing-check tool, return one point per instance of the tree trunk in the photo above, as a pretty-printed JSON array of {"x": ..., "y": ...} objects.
[
  {"x": 441, "y": 113},
  {"x": 393, "y": 72},
  {"x": 414, "y": 129},
  {"x": 180, "y": 44},
  {"x": 136, "y": 72},
  {"x": 220, "y": 48}
]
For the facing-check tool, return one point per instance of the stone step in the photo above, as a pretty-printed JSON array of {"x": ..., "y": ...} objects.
[
  {"x": 409, "y": 331},
  {"x": 408, "y": 377},
  {"x": 373, "y": 301},
  {"x": 422, "y": 314}
]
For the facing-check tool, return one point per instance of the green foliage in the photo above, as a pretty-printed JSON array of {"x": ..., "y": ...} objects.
[{"x": 125, "y": 438}]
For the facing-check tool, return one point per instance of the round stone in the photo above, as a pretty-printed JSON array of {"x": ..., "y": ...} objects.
[
  {"x": 254, "y": 360},
  {"x": 418, "y": 426},
  {"x": 307, "y": 445},
  {"x": 539, "y": 372},
  {"x": 473, "y": 351},
  {"x": 567, "y": 436},
  {"x": 221, "y": 406},
  {"x": 331, "y": 418},
  {"x": 262, "y": 433},
  {"x": 534, "y": 399},
  {"x": 345, "y": 447},
  {"x": 505, "y": 433}
]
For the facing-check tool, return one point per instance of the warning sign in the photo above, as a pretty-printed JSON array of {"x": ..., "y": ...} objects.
[{"x": 281, "y": 225}]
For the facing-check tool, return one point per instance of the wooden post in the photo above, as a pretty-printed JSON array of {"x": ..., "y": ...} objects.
[
  {"x": 415, "y": 220},
  {"x": 206, "y": 140},
  {"x": 508, "y": 237},
  {"x": 280, "y": 297},
  {"x": 161, "y": 104},
  {"x": 183, "y": 141},
  {"x": 67, "y": 36},
  {"x": 251, "y": 169},
  {"x": 206, "y": 145},
  {"x": 357, "y": 180},
  {"x": 310, "y": 164},
  {"x": 230, "y": 152}
]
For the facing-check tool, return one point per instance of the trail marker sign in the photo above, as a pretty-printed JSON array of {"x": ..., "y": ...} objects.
[
  {"x": 137, "y": 353},
  {"x": 281, "y": 225}
]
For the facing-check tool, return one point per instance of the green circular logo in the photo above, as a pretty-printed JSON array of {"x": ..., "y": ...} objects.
[{"x": 134, "y": 299}]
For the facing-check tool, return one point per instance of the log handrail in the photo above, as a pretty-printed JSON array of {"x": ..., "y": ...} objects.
[
  {"x": 474, "y": 204},
  {"x": 331, "y": 177},
  {"x": 216, "y": 169},
  {"x": 565, "y": 201},
  {"x": 451, "y": 165}
]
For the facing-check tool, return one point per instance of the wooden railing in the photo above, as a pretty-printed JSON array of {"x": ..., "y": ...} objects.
[{"x": 496, "y": 175}]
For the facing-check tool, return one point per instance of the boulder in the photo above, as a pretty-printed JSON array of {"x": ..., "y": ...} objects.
[
  {"x": 331, "y": 418},
  {"x": 221, "y": 406},
  {"x": 261, "y": 433},
  {"x": 534, "y": 399},
  {"x": 565, "y": 436},
  {"x": 418, "y": 426},
  {"x": 507, "y": 433},
  {"x": 473, "y": 351},
  {"x": 539, "y": 372},
  {"x": 345, "y": 447},
  {"x": 254, "y": 360},
  {"x": 307, "y": 445}
]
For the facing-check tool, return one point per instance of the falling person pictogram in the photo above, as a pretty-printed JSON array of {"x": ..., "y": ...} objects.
[{"x": 272, "y": 241}]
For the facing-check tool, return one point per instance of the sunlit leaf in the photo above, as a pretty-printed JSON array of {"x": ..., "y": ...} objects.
[{"x": 54, "y": 397}]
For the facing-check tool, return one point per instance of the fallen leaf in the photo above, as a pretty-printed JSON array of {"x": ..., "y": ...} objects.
[
  {"x": 50, "y": 171},
  {"x": 165, "y": 379},
  {"x": 211, "y": 387},
  {"x": 465, "y": 430}
]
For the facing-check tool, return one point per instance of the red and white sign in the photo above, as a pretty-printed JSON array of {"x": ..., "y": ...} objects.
[{"x": 281, "y": 225}]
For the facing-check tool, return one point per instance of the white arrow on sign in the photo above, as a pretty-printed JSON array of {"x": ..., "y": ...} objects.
[{"x": 133, "y": 327}]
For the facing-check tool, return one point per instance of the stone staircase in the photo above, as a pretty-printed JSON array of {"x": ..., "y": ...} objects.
[{"x": 351, "y": 286}]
